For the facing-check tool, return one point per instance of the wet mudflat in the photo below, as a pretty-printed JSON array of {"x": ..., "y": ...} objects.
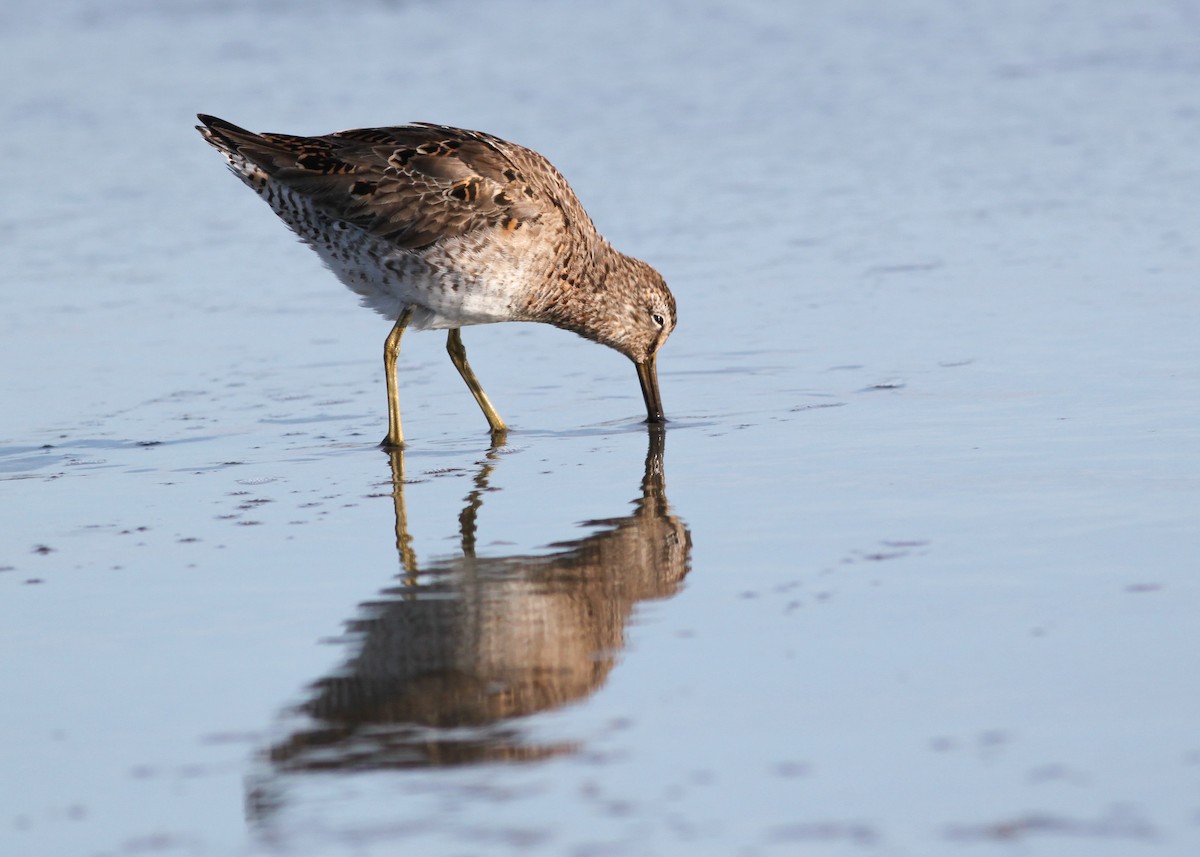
[{"x": 911, "y": 571}]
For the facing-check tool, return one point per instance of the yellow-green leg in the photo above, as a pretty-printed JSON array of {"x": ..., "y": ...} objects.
[
  {"x": 391, "y": 350},
  {"x": 458, "y": 355}
]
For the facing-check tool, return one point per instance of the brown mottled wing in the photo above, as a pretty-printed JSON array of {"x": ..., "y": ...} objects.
[{"x": 411, "y": 185}]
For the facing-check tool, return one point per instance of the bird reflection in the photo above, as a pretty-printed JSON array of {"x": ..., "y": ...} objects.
[{"x": 448, "y": 661}]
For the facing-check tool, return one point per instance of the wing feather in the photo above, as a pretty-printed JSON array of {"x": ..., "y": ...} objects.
[{"x": 410, "y": 184}]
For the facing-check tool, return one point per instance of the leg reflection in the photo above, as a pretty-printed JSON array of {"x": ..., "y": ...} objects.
[{"x": 408, "y": 557}]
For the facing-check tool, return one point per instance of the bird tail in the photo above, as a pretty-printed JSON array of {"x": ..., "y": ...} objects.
[
  {"x": 225, "y": 136},
  {"x": 253, "y": 157},
  {"x": 236, "y": 145}
]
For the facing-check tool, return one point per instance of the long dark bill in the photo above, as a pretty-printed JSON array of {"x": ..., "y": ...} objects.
[{"x": 648, "y": 375}]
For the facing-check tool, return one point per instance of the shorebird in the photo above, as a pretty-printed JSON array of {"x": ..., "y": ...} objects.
[{"x": 438, "y": 228}]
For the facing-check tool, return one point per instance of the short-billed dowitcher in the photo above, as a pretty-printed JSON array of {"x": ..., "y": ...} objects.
[{"x": 439, "y": 227}]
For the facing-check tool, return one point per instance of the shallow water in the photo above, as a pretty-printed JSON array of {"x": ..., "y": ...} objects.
[{"x": 911, "y": 572}]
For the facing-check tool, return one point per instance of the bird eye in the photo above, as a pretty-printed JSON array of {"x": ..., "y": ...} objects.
[{"x": 658, "y": 319}]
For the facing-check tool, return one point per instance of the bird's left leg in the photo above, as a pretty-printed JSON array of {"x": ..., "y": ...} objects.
[{"x": 391, "y": 350}]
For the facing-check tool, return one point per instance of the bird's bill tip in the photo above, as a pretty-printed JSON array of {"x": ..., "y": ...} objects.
[{"x": 648, "y": 376}]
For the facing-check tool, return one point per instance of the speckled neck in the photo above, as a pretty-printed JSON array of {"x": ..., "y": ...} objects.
[{"x": 578, "y": 293}]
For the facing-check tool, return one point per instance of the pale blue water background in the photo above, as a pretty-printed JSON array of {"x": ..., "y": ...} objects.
[{"x": 955, "y": 613}]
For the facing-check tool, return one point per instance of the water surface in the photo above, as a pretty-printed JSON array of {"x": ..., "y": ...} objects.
[{"x": 911, "y": 572}]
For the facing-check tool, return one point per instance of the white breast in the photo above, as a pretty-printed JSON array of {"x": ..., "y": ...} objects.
[{"x": 456, "y": 283}]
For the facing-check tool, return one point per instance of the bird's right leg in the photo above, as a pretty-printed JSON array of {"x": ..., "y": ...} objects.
[
  {"x": 458, "y": 356},
  {"x": 391, "y": 350}
]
